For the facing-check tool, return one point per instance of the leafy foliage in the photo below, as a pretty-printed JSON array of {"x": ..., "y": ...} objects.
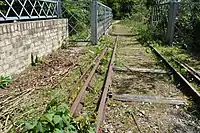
[
  {"x": 121, "y": 8},
  {"x": 186, "y": 23},
  {"x": 4, "y": 81},
  {"x": 2, "y": 5},
  {"x": 79, "y": 17},
  {"x": 187, "y": 30},
  {"x": 58, "y": 120}
]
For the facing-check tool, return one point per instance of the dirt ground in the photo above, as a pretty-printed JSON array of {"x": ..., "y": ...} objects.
[
  {"x": 149, "y": 117},
  {"x": 132, "y": 54},
  {"x": 144, "y": 84},
  {"x": 31, "y": 90}
]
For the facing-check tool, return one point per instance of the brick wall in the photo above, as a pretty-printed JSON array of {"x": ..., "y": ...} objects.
[{"x": 19, "y": 40}]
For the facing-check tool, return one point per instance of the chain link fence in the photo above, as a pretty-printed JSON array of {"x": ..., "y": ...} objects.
[
  {"x": 177, "y": 23},
  {"x": 79, "y": 17},
  {"x": 159, "y": 20}
]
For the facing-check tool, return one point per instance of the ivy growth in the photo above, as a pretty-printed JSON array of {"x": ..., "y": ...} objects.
[{"x": 58, "y": 120}]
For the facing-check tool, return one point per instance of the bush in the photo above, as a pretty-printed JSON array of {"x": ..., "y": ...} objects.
[{"x": 58, "y": 120}]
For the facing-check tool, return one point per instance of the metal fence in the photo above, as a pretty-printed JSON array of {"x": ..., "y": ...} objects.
[
  {"x": 104, "y": 19},
  {"x": 88, "y": 20},
  {"x": 28, "y": 9},
  {"x": 101, "y": 19},
  {"x": 177, "y": 22},
  {"x": 79, "y": 19},
  {"x": 159, "y": 19}
]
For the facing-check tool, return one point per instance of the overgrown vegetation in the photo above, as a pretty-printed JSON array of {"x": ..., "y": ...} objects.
[
  {"x": 4, "y": 81},
  {"x": 57, "y": 119},
  {"x": 126, "y": 8},
  {"x": 182, "y": 50},
  {"x": 79, "y": 18}
]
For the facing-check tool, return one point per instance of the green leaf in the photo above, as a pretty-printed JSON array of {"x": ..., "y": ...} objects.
[
  {"x": 66, "y": 119},
  {"x": 4, "y": 81},
  {"x": 49, "y": 117},
  {"x": 63, "y": 108},
  {"x": 71, "y": 127},
  {"x": 58, "y": 131},
  {"x": 57, "y": 119},
  {"x": 91, "y": 129},
  {"x": 30, "y": 126},
  {"x": 40, "y": 128}
]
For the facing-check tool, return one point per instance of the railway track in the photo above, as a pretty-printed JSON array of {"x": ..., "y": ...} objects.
[
  {"x": 83, "y": 90},
  {"x": 192, "y": 74},
  {"x": 125, "y": 98},
  {"x": 187, "y": 88},
  {"x": 145, "y": 101}
]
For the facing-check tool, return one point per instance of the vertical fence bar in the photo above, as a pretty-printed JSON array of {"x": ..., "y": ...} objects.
[
  {"x": 94, "y": 22},
  {"x": 59, "y": 9},
  {"x": 171, "y": 22},
  {"x": 104, "y": 19},
  {"x": 151, "y": 17}
]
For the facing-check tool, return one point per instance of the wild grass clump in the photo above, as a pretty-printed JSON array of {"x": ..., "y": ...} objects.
[{"x": 4, "y": 81}]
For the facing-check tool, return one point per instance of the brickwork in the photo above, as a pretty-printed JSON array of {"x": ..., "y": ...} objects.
[{"x": 19, "y": 40}]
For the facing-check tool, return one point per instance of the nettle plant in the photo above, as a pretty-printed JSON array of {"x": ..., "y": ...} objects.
[
  {"x": 58, "y": 120},
  {"x": 4, "y": 81}
]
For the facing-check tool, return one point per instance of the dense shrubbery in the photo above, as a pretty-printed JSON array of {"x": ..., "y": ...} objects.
[
  {"x": 57, "y": 119},
  {"x": 187, "y": 29},
  {"x": 121, "y": 8},
  {"x": 187, "y": 26}
]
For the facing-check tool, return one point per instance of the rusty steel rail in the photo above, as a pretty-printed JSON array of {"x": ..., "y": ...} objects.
[
  {"x": 82, "y": 91},
  {"x": 122, "y": 35},
  {"x": 186, "y": 87},
  {"x": 107, "y": 84},
  {"x": 84, "y": 74},
  {"x": 192, "y": 69},
  {"x": 192, "y": 73}
]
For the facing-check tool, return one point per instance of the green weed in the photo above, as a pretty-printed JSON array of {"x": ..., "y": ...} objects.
[
  {"x": 4, "y": 81},
  {"x": 57, "y": 119}
]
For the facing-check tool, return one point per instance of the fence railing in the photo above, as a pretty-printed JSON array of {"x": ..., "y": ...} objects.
[
  {"x": 177, "y": 22},
  {"x": 159, "y": 19},
  {"x": 100, "y": 15},
  {"x": 101, "y": 19},
  {"x": 28, "y": 9},
  {"x": 104, "y": 18}
]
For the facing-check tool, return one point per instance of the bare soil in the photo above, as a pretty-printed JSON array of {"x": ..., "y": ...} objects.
[
  {"x": 146, "y": 84},
  {"x": 34, "y": 88},
  {"x": 132, "y": 54},
  {"x": 149, "y": 117}
]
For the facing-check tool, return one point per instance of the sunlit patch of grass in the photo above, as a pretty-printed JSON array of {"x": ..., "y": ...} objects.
[
  {"x": 135, "y": 26},
  {"x": 179, "y": 54}
]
